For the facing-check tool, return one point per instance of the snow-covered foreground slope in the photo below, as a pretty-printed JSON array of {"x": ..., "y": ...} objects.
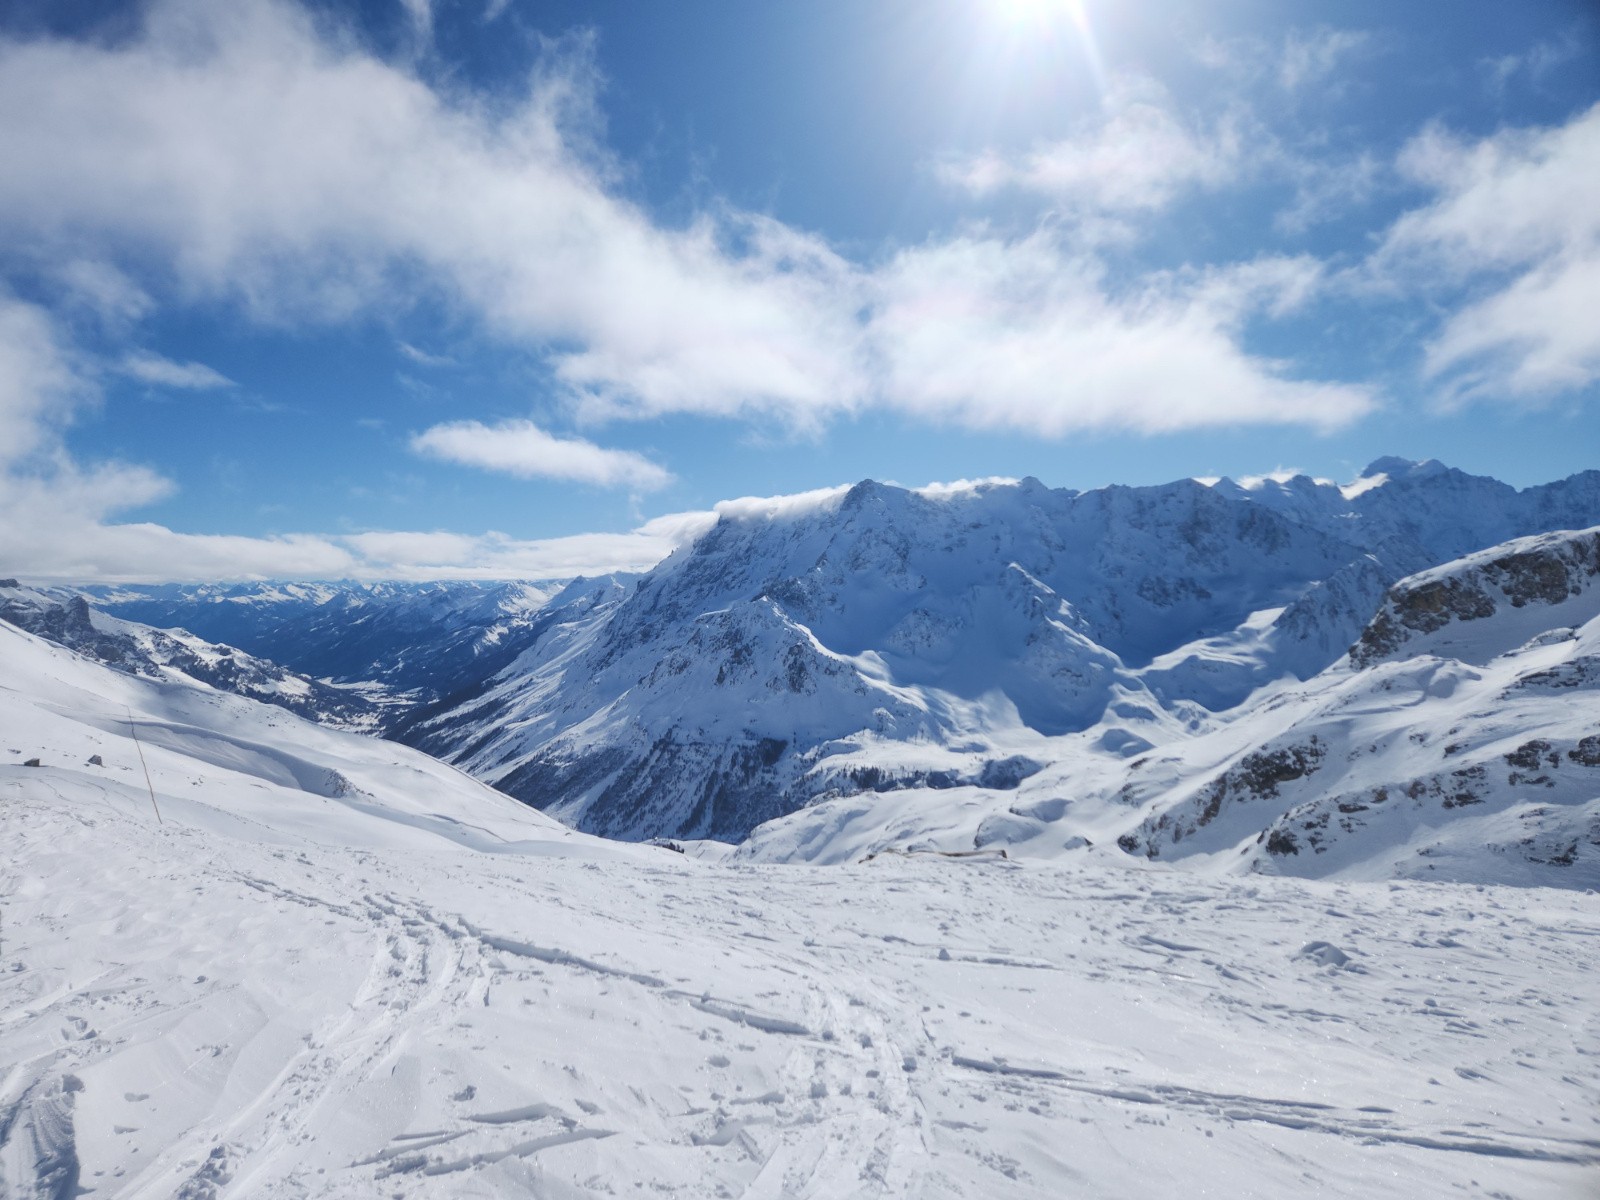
[{"x": 338, "y": 969}]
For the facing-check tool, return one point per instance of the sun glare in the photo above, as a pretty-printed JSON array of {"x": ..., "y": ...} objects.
[
  {"x": 1030, "y": 12},
  {"x": 1052, "y": 20}
]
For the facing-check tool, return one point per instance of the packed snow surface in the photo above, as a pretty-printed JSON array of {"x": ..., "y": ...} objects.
[{"x": 333, "y": 967}]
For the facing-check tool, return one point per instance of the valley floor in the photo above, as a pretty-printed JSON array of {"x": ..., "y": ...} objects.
[{"x": 225, "y": 1005}]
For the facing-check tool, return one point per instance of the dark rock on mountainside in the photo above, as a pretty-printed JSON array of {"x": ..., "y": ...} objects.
[{"x": 1545, "y": 570}]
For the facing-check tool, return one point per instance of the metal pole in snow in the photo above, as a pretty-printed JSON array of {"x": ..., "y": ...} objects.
[{"x": 146, "y": 767}]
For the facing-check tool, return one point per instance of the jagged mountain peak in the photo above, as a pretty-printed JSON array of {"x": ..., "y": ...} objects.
[{"x": 1397, "y": 468}]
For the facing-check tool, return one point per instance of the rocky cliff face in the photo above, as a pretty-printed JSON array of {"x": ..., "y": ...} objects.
[{"x": 1452, "y": 609}]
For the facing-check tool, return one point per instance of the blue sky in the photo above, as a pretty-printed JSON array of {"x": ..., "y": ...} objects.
[{"x": 422, "y": 289}]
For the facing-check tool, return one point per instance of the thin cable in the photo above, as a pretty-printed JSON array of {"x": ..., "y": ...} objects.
[{"x": 146, "y": 767}]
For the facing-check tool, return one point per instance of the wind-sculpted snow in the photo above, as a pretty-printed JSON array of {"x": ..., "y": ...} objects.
[{"x": 409, "y": 985}]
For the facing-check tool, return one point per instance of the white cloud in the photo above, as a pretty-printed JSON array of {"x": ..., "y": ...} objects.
[
  {"x": 236, "y": 154},
  {"x": 164, "y": 372},
  {"x": 497, "y": 556},
  {"x": 105, "y": 291},
  {"x": 58, "y": 517},
  {"x": 964, "y": 488},
  {"x": 297, "y": 176},
  {"x": 423, "y": 358},
  {"x": 40, "y": 384},
  {"x": 1308, "y": 58},
  {"x": 1026, "y": 336},
  {"x": 43, "y": 540},
  {"x": 1515, "y": 222},
  {"x": 1539, "y": 336},
  {"x": 306, "y": 180},
  {"x": 1137, "y": 155},
  {"x": 521, "y": 448},
  {"x": 777, "y": 508}
]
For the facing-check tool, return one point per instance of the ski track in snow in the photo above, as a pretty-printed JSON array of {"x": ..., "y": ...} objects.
[{"x": 189, "y": 1012}]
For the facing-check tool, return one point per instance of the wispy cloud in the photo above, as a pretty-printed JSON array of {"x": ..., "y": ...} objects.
[
  {"x": 1302, "y": 59},
  {"x": 1536, "y": 62},
  {"x": 102, "y": 289},
  {"x": 522, "y": 449},
  {"x": 1514, "y": 224},
  {"x": 1136, "y": 155},
  {"x": 423, "y": 359},
  {"x": 1313, "y": 57},
  {"x": 164, "y": 372}
]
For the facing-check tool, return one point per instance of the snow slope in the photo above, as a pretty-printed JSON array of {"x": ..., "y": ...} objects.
[
  {"x": 337, "y": 969},
  {"x": 1458, "y": 740},
  {"x": 1462, "y": 741}
]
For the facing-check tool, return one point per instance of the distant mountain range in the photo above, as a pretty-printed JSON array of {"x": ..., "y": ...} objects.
[
  {"x": 418, "y": 642},
  {"x": 1160, "y": 671},
  {"x": 67, "y": 619}
]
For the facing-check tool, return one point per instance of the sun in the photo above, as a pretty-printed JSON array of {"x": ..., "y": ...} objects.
[
  {"x": 1035, "y": 12},
  {"x": 1050, "y": 22},
  {"x": 1023, "y": 10}
]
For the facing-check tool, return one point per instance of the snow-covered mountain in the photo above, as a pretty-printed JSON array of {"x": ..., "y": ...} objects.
[
  {"x": 1470, "y": 755},
  {"x": 423, "y": 641},
  {"x": 68, "y": 620},
  {"x": 878, "y": 639},
  {"x": 1461, "y": 741},
  {"x": 1166, "y": 672},
  {"x": 243, "y": 955}
]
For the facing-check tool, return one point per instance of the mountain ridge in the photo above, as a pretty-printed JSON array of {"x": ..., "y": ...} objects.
[
  {"x": 984, "y": 665},
  {"x": 877, "y": 638}
]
